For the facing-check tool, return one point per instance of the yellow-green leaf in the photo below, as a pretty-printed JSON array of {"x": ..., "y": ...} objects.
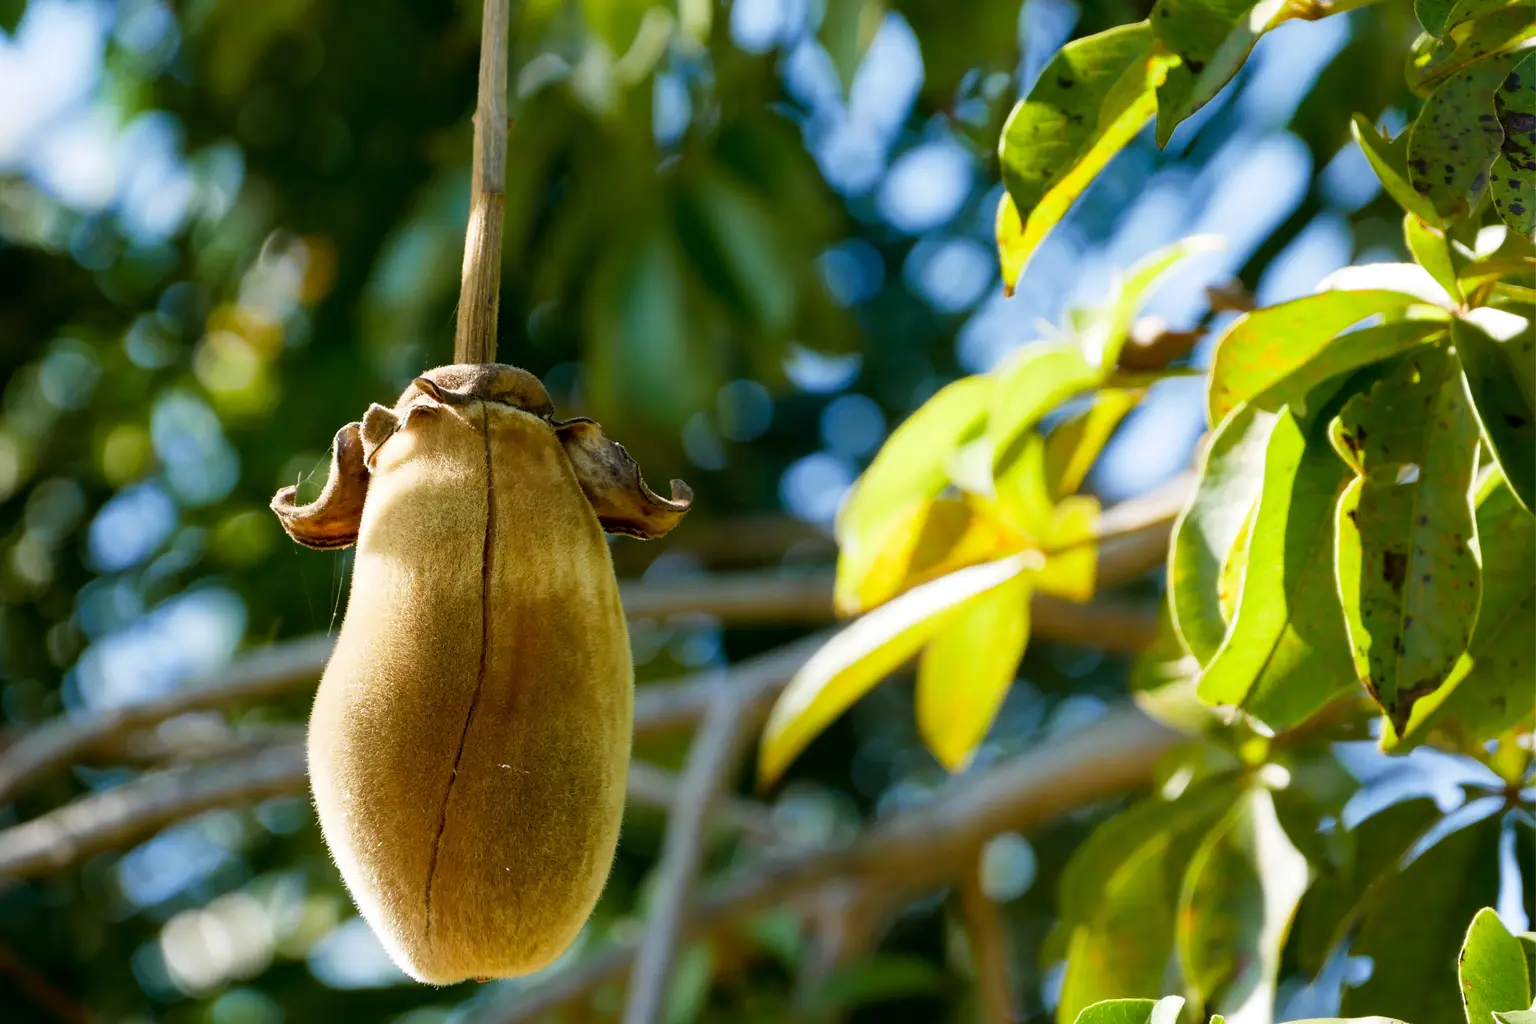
[
  {"x": 1286, "y": 653},
  {"x": 1090, "y": 100},
  {"x": 1501, "y": 381},
  {"x": 1263, "y": 348},
  {"x": 1436, "y": 253},
  {"x": 1212, "y": 38},
  {"x": 1389, "y": 159},
  {"x": 1456, "y": 137},
  {"x": 1029, "y": 385},
  {"x": 967, "y": 668},
  {"x": 1072, "y": 558},
  {"x": 1104, "y": 330},
  {"x": 1072, "y": 448},
  {"x": 865, "y": 652},
  {"x": 909, "y": 470},
  {"x": 1231, "y": 474},
  {"x": 1513, "y": 174}
]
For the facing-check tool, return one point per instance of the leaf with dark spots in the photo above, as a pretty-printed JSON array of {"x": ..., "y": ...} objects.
[
  {"x": 1516, "y": 107},
  {"x": 1212, "y": 38},
  {"x": 1460, "y": 102},
  {"x": 1497, "y": 31},
  {"x": 1402, "y": 555},
  {"x": 1060, "y": 136}
]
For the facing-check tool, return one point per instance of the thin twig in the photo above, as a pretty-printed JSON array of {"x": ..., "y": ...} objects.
[
  {"x": 989, "y": 948},
  {"x": 712, "y": 760},
  {"x": 909, "y": 853},
  {"x": 480, "y": 286}
]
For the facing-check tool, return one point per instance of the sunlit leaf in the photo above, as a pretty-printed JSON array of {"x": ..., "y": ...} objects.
[
  {"x": 1074, "y": 445},
  {"x": 1263, "y": 348},
  {"x": 1105, "y": 329},
  {"x": 1343, "y": 892},
  {"x": 910, "y": 469},
  {"x": 1432, "y": 14},
  {"x": 1413, "y": 927},
  {"x": 1501, "y": 381},
  {"x": 1119, "y": 907},
  {"x": 1236, "y": 905},
  {"x": 1231, "y": 475},
  {"x": 1235, "y": 568},
  {"x": 1133, "y": 1011},
  {"x": 1091, "y": 99},
  {"x": 1436, "y": 253},
  {"x": 1516, "y": 1017},
  {"x": 864, "y": 653},
  {"x": 1489, "y": 691},
  {"x": 1287, "y": 654},
  {"x": 1072, "y": 558},
  {"x": 1513, "y": 175},
  {"x": 1023, "y": 492},
  {"x": 1498, "y": 31},
  {"x": 1456, "y": 137},
  {"x": 1030, "y": 384},
  {"x": 1408, "y": 278},
  {"x": 1212, "y": 38},
  {"x": 967, "y": 669},
  {"x": 1406, "y": 553},
  {"x": 1389, "y": 159},
  {"x": 934, "y": 538},
  {"x": 1492, "y": 969},
  {"x": 1468, "y": 10}
]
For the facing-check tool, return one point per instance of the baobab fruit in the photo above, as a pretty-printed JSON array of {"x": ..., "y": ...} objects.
[{"x": 469, "y": 743}]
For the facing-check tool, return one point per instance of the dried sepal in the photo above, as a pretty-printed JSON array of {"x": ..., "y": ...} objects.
[
  {"x": 612, "y": 483},
  {"x": 331, "y": 520}
]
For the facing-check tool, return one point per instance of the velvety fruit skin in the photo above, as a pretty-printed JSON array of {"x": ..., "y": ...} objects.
[{"x": 469, "y": 743}]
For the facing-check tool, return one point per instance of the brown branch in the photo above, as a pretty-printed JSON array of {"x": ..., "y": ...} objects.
[
  {"x": 480, "y": 285},
  {"x": 136, "y": 810},
  {"x": 909, "y": 853},
  {"x": 989, "y": 948}
]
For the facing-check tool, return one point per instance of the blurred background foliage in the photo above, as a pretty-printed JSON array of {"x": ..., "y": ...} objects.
[{"x": 748, "y": 237}]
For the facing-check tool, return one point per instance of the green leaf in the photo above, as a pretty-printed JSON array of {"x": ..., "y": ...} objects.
[
  {"x": 1133, "y": 1011},
  {"x": 1241, "y": 890},
  {"x": 1516, "y": 1016},
  {"x": 909, "y": 470},
  {"x": 1269, "y": 346},
  {"x": 1470, "y": 10},
  {"x": 934, "y": 539},
  {"x": 1071, "y": 566},
  {"x": 1432, "y": 14},
  {"x": 10, "y": 15},
  {"x": 1500, "y": 31},
  {"x": 1287, "y": 654},
  {"x": 1072, "y": 448},
  {"x": 1406, "y": 550},
  {"x": 864, "y": 653},
  {"x": 1514, "y": 170},
  {"x": 847, "y": 29},
  {"x": 1436, "y": 253},
  {"x": 1029, "y": 385},
  {"x": 1452, "y": 144},
  {"x": 1212, "y": 38},
  {"x": 1490, "y": 689},
  {"x": 1389, "y": 159},
  {"x": 1119, "y": 896},
  {"x": 1414, "y": 924},
  {"x": 967, "y": 669},
  {"x": 1105, "y": 329},
  {"x": 1231, "y": 476},
  {"x": 1343, "y": 892},
  {"x": 1492, "y": 969},
  {"x": 1091, "y": 99},
  {"x": 1501, "y": 381}
]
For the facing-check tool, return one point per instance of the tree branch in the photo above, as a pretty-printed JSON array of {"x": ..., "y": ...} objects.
[
  {"x": 911, "y": 852},
  {"x": 713, "y": 759},
  {"x": 480, "y": 285},
  {"x": 989, "y": 948},
  {"x": 130, "y": 813}
]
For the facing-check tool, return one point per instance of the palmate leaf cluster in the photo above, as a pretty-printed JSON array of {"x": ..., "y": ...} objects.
[{"x": 1360, "y": 539}]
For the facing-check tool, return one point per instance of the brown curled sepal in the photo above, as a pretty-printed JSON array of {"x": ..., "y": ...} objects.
[
  {"x": 612, "y": 483},
  {"x": 331, "y": 520}
]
